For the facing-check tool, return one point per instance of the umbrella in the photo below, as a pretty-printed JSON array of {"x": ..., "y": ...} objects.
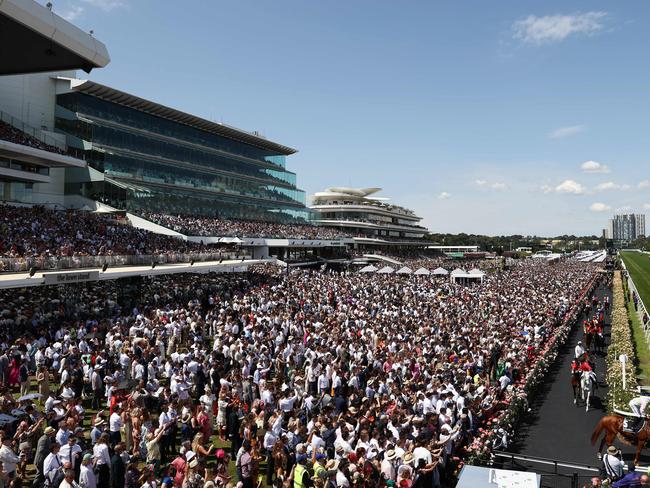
[
  {"x": 6, "y": 419},
  {"x": 422, "y": 271},
  {"x": 17, "y": 412},
  {"x": 31, "y": 396}
]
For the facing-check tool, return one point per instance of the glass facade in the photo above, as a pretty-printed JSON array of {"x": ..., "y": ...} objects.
[{"x": 154, "y": 164}]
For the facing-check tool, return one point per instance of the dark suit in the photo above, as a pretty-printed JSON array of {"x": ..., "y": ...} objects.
[
  {"x": 118, "y": 471},
  {"x": 42, "y": 450}
]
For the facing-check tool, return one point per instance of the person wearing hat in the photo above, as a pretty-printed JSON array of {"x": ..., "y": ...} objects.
[
  {"x": 42, "y": 451},
  {"x": 300, "y": 474},
  {"x": 388, "y": 466},
  {"x": 87, "y": 478},
  {"x": 613, "y": 464},
  {"x": 97, "y": 430}
]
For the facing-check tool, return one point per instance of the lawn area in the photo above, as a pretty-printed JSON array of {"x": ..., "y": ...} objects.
[{"x": 638, "y": 264}]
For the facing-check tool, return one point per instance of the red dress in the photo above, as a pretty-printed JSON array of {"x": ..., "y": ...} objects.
[{"x": 14, "y": 371}]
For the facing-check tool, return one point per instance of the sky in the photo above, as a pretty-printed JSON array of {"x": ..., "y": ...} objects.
[{"x": 503, "y": 117}]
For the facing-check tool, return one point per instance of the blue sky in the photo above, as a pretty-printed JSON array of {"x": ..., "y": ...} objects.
[{"x": 478, "y": 115}]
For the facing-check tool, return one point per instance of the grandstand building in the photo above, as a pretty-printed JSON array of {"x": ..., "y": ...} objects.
[
  {"x": 368, "y": 217},
  {"x": 144, "y": 156}
]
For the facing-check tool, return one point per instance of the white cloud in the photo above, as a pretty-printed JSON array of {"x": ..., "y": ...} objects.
[
  {"x": 644, "y": 184},
  {"x": 646, "y": 206},
  {"x": 497, "y": 185},
  {"x": 570, "y": 186},
  {"x": 594, "y": 167},
  {"x": 546, "y": 188},
  {"x": 624, "y": 209},
  {"x": 444, "y": 195},
  {"x": 610, "y": 185},
  {"x": 555, "y": 28},
  {"x": 480, "y": 182},
  {"x": 599, "y": 207},
  {"x": 71, "y": 14},
  {"x": 569, "y": 131}
]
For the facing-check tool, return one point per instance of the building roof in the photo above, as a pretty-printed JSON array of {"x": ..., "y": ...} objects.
[
  {"x": 125, "y": 99},
  {"x": 38, "y": 156},
  {"x": 35, "y": 39}
]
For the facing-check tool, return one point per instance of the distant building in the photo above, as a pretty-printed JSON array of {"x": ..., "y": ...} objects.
[
  {"x": 359, "y": 212},
  {"x": 627, "y": 227}
]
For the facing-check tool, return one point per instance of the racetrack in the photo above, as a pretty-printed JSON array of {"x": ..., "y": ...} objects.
[{"x": 556, "y": 428}]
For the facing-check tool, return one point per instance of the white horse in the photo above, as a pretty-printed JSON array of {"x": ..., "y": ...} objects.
[{"x": 587, "y": 386}]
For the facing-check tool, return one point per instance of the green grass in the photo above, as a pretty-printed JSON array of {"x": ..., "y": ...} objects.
[
  {"x": 640, "y": 346},
  {"x": 638, "y": 265}
]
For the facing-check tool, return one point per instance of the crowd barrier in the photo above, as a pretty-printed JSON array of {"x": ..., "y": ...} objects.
[{"x": 17, "y": 265}]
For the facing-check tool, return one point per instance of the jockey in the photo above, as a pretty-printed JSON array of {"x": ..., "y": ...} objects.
[
  {"x": 585, "y": 367},
  {"x": 639, "y": 404},
  {"x": 575, "y": 367},
  {"x": 579, "y": 350}
]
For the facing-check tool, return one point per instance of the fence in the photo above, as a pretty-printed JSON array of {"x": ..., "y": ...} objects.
[
  {"x": 641, "y": 309},
  {"x": 17, "y": 265},
  {"x": 554, "y": 473}
]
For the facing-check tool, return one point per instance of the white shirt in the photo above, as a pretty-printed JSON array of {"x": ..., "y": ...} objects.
[
  {"x": 100, "y": 453},
  {"x": 9, "y": 459},
  {"x": 51, "y": 463},
  {"x": 67, "y": 454},
  {"x": 87, "y": 477},
  {"x": 115, "y": 422}
]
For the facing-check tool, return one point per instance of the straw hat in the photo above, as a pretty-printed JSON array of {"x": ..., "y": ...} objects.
[{"x": 408, "y": 458}]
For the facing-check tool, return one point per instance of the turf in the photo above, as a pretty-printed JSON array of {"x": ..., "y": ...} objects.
[{"x": 638, "y": 265}]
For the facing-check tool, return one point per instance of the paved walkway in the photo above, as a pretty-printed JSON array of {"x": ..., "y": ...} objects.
[{"x": 558, "y": 429}]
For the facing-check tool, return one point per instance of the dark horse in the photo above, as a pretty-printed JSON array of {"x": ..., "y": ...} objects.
[{"x": 613, "y": 427}]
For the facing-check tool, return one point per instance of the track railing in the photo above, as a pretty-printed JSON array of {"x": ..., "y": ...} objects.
[{"x": 641, "y": 309}]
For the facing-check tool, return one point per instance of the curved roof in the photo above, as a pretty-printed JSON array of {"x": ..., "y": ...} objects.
[
  {"x": 122, "y": 98},
  {"x": 35, "y": 39},
  {"x": 355, "y": 192}
]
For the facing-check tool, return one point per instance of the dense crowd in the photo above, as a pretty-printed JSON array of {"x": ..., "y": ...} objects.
[
  {"x": 213, "y": 226},
  {"x": 306, "y": 379},
  {"x": 38, "y": 231},
  {"x": 11, "y": 134}
]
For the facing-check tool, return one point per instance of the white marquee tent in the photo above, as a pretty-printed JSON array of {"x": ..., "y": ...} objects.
[
  {"x": 440, "y": 272},
  {"x": 404, "y": 270},
  {"x": 386, "y": 270}
]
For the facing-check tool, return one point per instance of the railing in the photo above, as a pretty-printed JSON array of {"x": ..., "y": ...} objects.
[
  {"x": 17, "y": 265},
  {"x": 31, "y": 131},
  {"x": 641, "y": 309}
]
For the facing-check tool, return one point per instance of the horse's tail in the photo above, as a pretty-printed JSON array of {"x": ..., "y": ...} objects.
[{"x": 596, "y": 434}]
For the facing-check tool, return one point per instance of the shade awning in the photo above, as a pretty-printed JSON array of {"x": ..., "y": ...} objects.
[
  {"x": 422, "y": 272},
  {"x": 440, "y": 271},
  {"x": 386, "y": 270},
  {"x": 368, "y": 269},
  {"x": 404, "y": 270}
]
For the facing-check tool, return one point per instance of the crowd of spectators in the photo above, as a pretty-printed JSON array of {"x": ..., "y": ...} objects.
[
  {"x": 38, "y": 231},
  {"x": 216, "y": 227},
  {"x": 11, "y": 134},
  {"x": 304, "y": 379}
]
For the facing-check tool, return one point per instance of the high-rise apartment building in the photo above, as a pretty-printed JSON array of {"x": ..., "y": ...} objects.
[{"x": 627, "y": 227}]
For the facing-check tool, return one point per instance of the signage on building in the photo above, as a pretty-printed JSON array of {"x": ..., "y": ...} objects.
[{"x": 62, "y": 278}]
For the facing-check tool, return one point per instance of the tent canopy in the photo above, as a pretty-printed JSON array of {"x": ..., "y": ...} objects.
[
  {"x": 458, "y": 272},
  {"x": 386, "y": 270},
  {"x": 368, "y": 269},
  {"x": 422, "y": 272},
  {"x": 404, "y": 270},
  {"x": 440, "y": 271}
]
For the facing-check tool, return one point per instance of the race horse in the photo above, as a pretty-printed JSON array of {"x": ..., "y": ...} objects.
[
  {"x": 613, "y": 427},
  {"x": 575, "y": 384},
  {"x": 587, "y": 386}
]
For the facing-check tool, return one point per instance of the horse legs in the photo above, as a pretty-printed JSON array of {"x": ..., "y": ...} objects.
[
  {"x": 639, "y": 446},
  {"x": 575, "y": 394},
  {"x": 588, "y": 396}
]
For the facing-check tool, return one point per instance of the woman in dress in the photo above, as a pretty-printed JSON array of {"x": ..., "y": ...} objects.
[
  {"x": 221, "y": 416},
  {"x": 43, "y": 380}
]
